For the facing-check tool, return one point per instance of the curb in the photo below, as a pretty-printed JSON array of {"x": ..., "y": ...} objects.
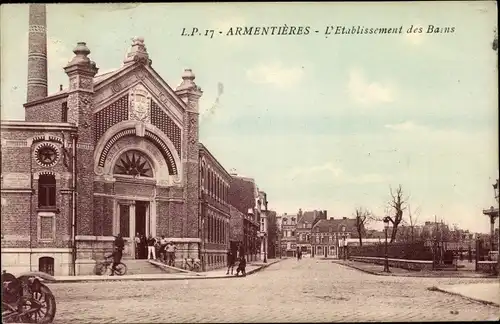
[
  {"x": 410, "y": 276},
  {"x": 194, "y": 277},
  {"x": 463, "y": 296}
]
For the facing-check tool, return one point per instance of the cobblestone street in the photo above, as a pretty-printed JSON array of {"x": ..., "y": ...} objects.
[{"x": 290, "y": 291}]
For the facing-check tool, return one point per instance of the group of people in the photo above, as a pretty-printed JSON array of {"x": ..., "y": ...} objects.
[
  {"x": 231, "y": 262},
  {"x": 150, "y": 247},
  {"x": 166, "y": 250}
]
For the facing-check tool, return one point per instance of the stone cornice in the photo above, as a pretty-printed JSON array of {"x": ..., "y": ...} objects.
[{"x": 38, "y": 126}]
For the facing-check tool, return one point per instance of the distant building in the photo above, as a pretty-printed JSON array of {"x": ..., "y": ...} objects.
[
  {"x": 304, "y": 226},
  {"x": 244, "y": 196},
  {"x": 327, "y": 235},
  {"x": 288, "y": 223}
]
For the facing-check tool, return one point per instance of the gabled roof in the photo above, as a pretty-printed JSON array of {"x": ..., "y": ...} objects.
[
  {"x": 324, "y": 225},
  {"x": 105, "y": 76},
  {"x": 308, "y": 217}
]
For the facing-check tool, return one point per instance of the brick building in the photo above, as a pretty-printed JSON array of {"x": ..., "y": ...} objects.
[
  {"x": 288, "y": 224},
  {"x": 244, "y": 196},
  {"x": 214, "y": 210},
  {"x": 304, "y": 226},
  {"x": 112, "y": 153},
  {"x": 327, "y": 235}
]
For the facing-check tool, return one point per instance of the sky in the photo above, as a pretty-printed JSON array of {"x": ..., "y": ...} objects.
[{"x": 320, "y": 122}]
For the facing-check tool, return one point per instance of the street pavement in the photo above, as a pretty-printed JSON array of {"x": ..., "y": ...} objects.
[
  {"x": 487, "y": 292},
  {"x": 309, "y": 290}
]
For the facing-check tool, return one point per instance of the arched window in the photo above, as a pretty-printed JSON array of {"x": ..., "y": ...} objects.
[
  {"x": 133, "y": 163},
  {"x": 47, "y": 190},
  {"x": 46, "y": 264}
]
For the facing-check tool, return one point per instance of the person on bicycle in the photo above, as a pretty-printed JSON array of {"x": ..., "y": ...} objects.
[{"x": 119, "y": 245}]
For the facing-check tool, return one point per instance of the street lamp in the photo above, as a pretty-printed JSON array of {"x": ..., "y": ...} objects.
[
  {"x": 344, "y": 242},
  {"x": 495, "y": 189},
  {"x": 387, "y": 219}
]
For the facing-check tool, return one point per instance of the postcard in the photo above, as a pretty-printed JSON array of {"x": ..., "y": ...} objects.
[{"x": 249, "y": 162}]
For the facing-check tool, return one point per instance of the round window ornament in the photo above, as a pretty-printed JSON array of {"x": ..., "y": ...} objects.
[{"x": 47, "y": 154}]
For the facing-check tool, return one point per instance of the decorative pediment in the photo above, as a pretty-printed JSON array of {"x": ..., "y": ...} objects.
[{"x": 139, "y": 77}]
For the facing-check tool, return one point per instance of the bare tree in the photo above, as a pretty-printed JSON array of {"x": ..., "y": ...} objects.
[
  {"x": 398, "y": 205},
  {"x": 413, "y": 218},
  {"x": 362, "y": 217}
]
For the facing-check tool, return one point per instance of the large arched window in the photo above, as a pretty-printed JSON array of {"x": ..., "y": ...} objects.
[
  {"x": 47, "y": 190},
  {"x": 133, "y": 163}
]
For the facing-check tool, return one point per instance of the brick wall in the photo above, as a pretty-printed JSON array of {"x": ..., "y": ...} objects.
[
  {"x": 20, "y": 211},
  {"x": 48, "y": 111}
]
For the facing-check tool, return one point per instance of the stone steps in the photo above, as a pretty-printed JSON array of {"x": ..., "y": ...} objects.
[{"x": 142, "y": 267}]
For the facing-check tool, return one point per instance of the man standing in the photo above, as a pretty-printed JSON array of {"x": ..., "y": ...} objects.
[
  {"x": 163, "y": 246},
  {"x": 137, "y": 240},
  {"x": 230, "y": 261},
  {"x": 151, "y": 247},
  {"x": 171, "y": 253},
  {"x": 119, "y": 245}
]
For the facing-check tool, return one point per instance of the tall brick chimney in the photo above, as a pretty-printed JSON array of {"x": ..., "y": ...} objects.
[{"x": 37, "y": 53}]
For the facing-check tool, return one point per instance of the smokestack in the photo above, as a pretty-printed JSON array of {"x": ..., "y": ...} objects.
[{"x": 37, "y": 53}]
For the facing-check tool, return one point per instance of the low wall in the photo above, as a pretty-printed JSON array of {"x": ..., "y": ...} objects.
[
  {"x": 487, "y": 266},
  {"x": 19, "y": 260},
  {"x": 415, "y": 265}
]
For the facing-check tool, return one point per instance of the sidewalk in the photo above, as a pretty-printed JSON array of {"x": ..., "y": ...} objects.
[
  {"x": 487, "y": 293},
  {"x": 378, "y": 270},
  {"x": 213, "y": 274}
]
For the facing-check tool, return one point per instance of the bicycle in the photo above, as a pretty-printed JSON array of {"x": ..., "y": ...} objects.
[
  {"x": 192, "y": 265},
  {"x": 104, "y": 268}
]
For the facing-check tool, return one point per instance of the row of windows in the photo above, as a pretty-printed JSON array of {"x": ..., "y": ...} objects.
[
  {"x": 217, "y": 230},
  {"x": 213, "y": 183},
  {"x": 292, "y": 221}
]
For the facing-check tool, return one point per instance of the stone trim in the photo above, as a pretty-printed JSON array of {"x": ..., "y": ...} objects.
[
  {"x": 96, "y": 238},
  {"x": 36, "y": 250},
  {"x": 21, "y": 238},
  {"x": 14, "y": 191},
  {"x": 38, "y": 126},
  {"x": 184, "y": 239}
]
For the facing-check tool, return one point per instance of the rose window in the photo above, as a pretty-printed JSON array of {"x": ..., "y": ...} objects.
[
  {"x": 133, "y": 163},
  {"x": 46, "y": 154}
]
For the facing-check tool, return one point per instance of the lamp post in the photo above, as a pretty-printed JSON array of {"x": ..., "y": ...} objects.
[
  {"x": 387, "y": 219},
  {"x": 495, "y": 189},
  {"x": 344, "y": 242}
]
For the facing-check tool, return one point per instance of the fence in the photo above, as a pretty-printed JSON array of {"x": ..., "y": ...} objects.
[{"x": 409, "y": 251}]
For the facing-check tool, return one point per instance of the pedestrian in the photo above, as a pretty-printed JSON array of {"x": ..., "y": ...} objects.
[
  {"x": 241, "y": 267},
  {"x": 143, "y": 248},
  {"x": 137, "y": 241},
  {"x": 117, "y": 255},
  {"x": 230, "y": 261},
  {"x": 163, "y": 247},
  {"x": 151, "y": 247},
  {"x": 171, "y": 253}
]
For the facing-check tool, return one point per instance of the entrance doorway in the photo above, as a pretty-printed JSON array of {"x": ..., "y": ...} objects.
[
  {"x": 141, "y": 219},
  {"x": 142, "y": 226}
]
